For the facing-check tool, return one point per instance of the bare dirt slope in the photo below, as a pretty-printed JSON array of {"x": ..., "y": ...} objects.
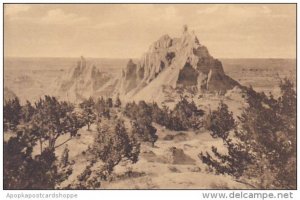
[{"x": 172, "y": 163}]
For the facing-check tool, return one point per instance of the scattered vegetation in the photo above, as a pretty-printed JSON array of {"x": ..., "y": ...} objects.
[
  {"x": 22, "y": 170},
  {"x": 112, "y": 145},
  {"x": 11, "y": 114},
  {"x": 261, "y": 144},
  {"x": 41, "y": 124},
  {"x": 184, "y": 116},
  {"x": 262, "y": 148}
]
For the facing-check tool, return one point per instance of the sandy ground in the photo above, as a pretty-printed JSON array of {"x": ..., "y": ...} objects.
[{"x": 156, "y": 171}]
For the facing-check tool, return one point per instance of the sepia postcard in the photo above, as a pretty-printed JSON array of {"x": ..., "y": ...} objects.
[{"x": 149, "y": 96}]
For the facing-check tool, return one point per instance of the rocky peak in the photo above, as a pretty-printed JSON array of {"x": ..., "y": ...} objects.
[
  {"x": 81, "y": 81},
  {"x": 189, "y": 39},
  {"x": 176, "y": 62},
  {"x": 163, "y": 42},
  {"x": 81, "y": 65},
  {"x": 130, "y": 69},
  {"x": 185, "y": 29}
]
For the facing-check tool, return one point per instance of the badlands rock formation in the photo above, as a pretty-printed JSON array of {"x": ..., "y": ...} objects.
[
  {"x": 171, "y": 67},
  {"x": 171, "y": 64},
  {"x": 82, "y": 81}
]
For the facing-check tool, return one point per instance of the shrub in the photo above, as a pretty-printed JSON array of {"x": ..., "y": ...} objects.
[
  {"x": 221, "y": 122},
  {"x": 22, "y": 171},
  {"x": 185, "y": 115},
  {"x": 118, "y": 102},
  {"x": 53, "y": 119},
  {"x": 88, "y": 107},
  {"x": 102, "y": 109},
  {"x": 27, "y": 112},
  {"x": 12, "y": 114},
  {"x": 109, "y": 102},
  {"x": 263, "y": 149},
  {"x": 114, "y": 145}
]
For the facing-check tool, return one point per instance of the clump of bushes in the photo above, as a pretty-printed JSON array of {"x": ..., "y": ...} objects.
[
  {"x": 184, "y": 116},
  {"x": 261, "y": 144}
]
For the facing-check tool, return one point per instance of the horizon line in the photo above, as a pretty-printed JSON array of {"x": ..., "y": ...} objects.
[{"x": 91, "y": 57}]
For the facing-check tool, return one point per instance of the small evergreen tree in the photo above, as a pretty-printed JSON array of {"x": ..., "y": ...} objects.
[
  {"x": 114, "y": 145},
  {"x": 142, "y": 124},
  {"x": 88, "y": 107},
  {"x": 222, "y": 122},
  {"x": 157, "y": 114},
  {"x": 27, "y": 112},
  {"x": 12, "y": 114},
  {"x": 102, "y": 109},
  {"x": 263, "y": 148},
  {"x": 131, "y": 110},
  {"x": 188, "y": 114},
  {"x": 22, "y": 170},
  {"x": 53, "y": 119},
  {"x": 118, "y": 102},
  {"x": 109, "y": 102},
  {"x": 144, "y": 131}
]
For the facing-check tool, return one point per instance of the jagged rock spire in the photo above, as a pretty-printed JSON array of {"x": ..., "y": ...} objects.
[
  {"x": 174, "y": 63},
  {"x": 185, "y": 28}
]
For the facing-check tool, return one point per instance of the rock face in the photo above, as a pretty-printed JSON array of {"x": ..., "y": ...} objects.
[
  {"x": 82, "y": 81},
  {"x": 173, "y": 63},
  {"x": 177, "y": 156}
]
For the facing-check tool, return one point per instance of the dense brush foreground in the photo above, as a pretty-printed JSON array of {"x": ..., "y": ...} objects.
[{"x": 105, "y": 143}]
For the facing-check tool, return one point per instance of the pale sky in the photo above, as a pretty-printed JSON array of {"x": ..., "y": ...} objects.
[{"x": 127, "y": 31}]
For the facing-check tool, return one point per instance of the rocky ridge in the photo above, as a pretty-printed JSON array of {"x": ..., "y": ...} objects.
[
  {"x": 172, "y": 64},
  {"x": 82, "y": 81},
  {"x": 169, "y": 69}
]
